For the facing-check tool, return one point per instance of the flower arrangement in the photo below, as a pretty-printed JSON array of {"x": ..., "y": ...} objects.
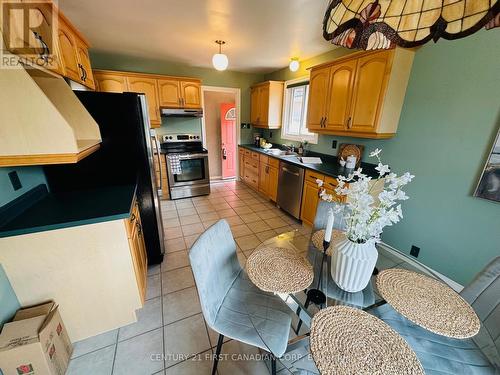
[{"x": 365, "y": 215}]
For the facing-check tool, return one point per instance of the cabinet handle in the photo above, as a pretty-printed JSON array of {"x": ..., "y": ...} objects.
[
  {"x": 324, "y": 121},
  {"x": 139, "y": 228},
  {"x": 349, "y": 125},
  {"x": 46, "y": 51},
  {"x": 132, "y": 217}
]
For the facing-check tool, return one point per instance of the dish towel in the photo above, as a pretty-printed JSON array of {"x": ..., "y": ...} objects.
[{"x": 175, "y": 164}]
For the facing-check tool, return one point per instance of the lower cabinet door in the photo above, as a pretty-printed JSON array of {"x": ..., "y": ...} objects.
[
  {"x": 138, "y": 252},
  {"x": 310, "y": 199},
  {"x": 264, "y": 178},
  {"x": 273, "y": 183}
]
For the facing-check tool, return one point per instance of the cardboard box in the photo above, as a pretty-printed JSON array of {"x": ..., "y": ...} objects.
[{"x": 35, "y": 342}]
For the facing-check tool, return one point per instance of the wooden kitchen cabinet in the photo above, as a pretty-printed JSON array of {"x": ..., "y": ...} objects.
[
  {"x": 318, "y": 97},
  {"x": 359, "y": 95},
  {"x": 67, "y": 48},
  {"x": 169, "y": 93},
  {"x": 74, "y": 54},
  {"x": 310, "y": 196},
  {"x": 149, "y": 87},
  {"x": 176, "y": 92},
  {"x": 273, "y": 182},
  {"x": 191, "y": 94},
  {"x": 251, "y": 172},
  {"x": 266, "y": 104},
  {"x": 110, "y": 82},
  {"x": 138, "y": 250}
]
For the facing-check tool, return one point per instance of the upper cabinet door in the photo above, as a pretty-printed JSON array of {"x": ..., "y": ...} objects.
[
  {"x": 264, "y": 105},
  {"x": 372, "y": 74},
  {"x": 318, "y": 97},
  {"x": 87, "y": 77},
  {"x": 46, "y": 52},
  {"x": 107, "y": 82},
  {"x": 68, "y": 51},
  {"x": 191, "y": 94},
  {"x": 149, "y": 87},
  {"x": 254, "y": 105},
  {"x": 340, "y": 95},
  {"x": 169, "y": 93}
]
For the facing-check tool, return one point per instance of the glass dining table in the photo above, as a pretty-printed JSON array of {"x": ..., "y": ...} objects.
[{"x": 297, "y": 358}]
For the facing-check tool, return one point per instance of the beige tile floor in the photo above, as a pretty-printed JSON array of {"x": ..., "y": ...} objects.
[{"x": 171, "y": 336}]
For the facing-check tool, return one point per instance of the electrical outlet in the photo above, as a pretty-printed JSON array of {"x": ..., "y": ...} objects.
[
  {"x": 334, "y": 144},
  {"x": 15, "y": 181},
  {"x": 414, "y": 251}
]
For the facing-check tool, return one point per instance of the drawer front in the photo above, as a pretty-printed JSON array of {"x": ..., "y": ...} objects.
[
  {"x": 264, "y": 159},
  {"x": 330, "y": 183},
  {"x": 274, "y": 162},
  {"x": 255, "y": 155},
  {"x": 241, "y": 151},
  {"x": 248, "y": 152},
  {"x": 251, "y": 163},
  {"x": 312, "y": 176}
]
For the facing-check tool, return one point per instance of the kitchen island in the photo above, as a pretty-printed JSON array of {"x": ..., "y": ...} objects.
[{"x": 82, "y": 249}]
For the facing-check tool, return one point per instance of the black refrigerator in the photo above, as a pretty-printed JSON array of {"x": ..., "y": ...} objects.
[{"x": 125, "y": 157}]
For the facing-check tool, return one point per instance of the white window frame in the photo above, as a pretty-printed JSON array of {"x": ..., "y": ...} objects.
[{"x": 286, "y": 110}]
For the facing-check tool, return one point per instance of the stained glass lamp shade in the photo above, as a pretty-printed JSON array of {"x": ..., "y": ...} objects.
[{"x": 383, "y": 24}]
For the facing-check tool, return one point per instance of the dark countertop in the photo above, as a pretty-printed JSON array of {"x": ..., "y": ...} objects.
[
  {"x": 38, "y": 210},
  {"x": 329, "y": 165}
]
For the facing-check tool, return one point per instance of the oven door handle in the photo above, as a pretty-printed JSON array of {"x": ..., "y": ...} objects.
[{"x": 192, "y": 156}]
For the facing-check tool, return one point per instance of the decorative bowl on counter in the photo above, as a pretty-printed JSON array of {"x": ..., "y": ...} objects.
[
  {"x": 267, "y": 146},
  {"x": 275, "y": 151}
]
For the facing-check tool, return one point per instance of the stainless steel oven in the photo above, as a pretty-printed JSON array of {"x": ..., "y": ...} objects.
[{"x": 187, "y": 166}]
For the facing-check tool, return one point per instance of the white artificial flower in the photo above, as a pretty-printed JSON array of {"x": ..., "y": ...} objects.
[
  {"x": 365, "y": 216},
  {"x": 376, "y": 152},
  {"x": 382, "y": 169}
]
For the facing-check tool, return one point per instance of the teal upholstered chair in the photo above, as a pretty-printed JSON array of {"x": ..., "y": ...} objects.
[
  {"x": 442, "y": 355},
  {"x": 231, "y": 304}
]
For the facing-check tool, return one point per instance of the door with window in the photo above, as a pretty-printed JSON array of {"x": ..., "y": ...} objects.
[{"x": 228, "y": 139}]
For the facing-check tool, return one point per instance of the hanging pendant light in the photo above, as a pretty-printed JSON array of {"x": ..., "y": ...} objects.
[
  {"x": 294, "y": 64},
  {"x": 384, "y": 24},
  {"x": 220, "y": 60}
]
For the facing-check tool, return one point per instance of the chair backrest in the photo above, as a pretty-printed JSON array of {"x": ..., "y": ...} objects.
[
  {"x": 322, "y": 216},
  {"x": 215, "y": 267},
  {"x": 483, "y": 293}
]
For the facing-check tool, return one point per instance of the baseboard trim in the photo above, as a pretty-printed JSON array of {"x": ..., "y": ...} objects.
[{"x": 451, "y": 283}]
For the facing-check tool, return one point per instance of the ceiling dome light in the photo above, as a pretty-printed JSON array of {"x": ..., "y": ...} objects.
[
  {"x": 220, "y": 60},
  {"x": 294, "y": 64}
]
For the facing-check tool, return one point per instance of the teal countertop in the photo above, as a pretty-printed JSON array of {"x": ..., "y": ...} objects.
[
  {"x": 43, "y": 211},
  {"x": 329, "y": 165}
]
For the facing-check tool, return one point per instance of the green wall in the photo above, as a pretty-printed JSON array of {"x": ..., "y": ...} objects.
[
  {"x": 9, "y": 303},
  {"x": 209, "y": 77},
  {"x": 29, "y": 177},
  {"x": 448, "y": 124}
]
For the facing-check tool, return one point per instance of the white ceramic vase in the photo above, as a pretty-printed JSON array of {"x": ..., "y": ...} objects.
[{"x": 352, "y": 264}]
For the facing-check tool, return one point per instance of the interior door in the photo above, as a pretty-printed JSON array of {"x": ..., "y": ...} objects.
[{"x": 228, "y": 139}]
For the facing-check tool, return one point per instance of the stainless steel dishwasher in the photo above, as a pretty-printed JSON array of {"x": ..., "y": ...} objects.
[{"x": 290, "y": 184}]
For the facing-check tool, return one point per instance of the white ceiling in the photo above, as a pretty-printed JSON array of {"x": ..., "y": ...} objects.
[{"x": 261, "y": 35}]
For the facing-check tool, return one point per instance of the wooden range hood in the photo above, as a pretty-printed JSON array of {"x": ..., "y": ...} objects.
[{"x": 42, "y": 121}]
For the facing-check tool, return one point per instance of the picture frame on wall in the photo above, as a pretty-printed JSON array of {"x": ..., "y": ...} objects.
[{"x": 488, "y": 186}]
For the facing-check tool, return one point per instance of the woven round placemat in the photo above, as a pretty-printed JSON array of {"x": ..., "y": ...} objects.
[
  {"x": 345, "y": 340},
  {"x": 318, "y": 237},
  {"x": 428, "y": 303},
  {"x": 279, "y": 270}
]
